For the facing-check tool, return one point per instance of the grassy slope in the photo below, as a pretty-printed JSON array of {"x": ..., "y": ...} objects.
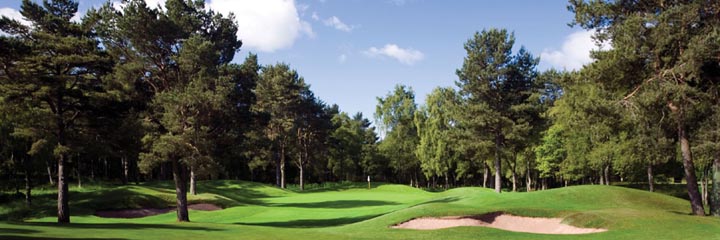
[{"x": 257, "y": 211}]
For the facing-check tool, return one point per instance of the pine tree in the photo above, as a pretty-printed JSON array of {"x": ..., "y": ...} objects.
[
  {"x": 278, "y": 97},
  {"x": 664, "y": 50},
  {"x": 173, "y": 56},
  {"x": 55, "y": 68},
  {"x": 494, "y": 85}
]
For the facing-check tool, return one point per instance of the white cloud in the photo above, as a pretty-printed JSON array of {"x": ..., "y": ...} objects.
[
  {"x": 118, "y": 5},
  {"x": 265, "y": 25},
  {"x": 575, "y": 52},
  {"x": 77, "y": 17},
  {"x": 14, "y": 14},
  {"x": 406, "y": 56},
  {"x": 342, "y": 58},
  {"x": 155, "y": 3},
  {"x": 338, "y": 24},
  {"x": 315, "y": 16}
]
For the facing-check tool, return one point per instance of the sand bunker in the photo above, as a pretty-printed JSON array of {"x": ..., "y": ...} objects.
[
  {"x": 500, "y": 221},
  {"x": 144, "y": 212}
]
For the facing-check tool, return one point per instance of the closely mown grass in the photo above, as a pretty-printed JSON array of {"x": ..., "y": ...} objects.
[{"x": 350, "y": 211}]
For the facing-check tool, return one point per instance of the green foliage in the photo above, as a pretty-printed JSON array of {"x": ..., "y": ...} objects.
[
  {"x": 394, "y": 116},
  {"x": 551, "y": 152},
  {"x": 435, "y": 122},
  {"x": 497, "y": 88},
  {"x": 663, "y": 55}
]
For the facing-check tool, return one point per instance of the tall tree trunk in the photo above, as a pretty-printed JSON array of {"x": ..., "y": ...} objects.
[
  {"x": 486, "y": 174},
  {"x": 417, "y": 183},
  {"x": 447, "y": 182},
  {"x": 544, "y": 183},
  {"x": 498, "y": 178},
  {"x": 126, "y": 169},
  {"x": 514, "y": 181},
  {"x": 602, "y": 177},
  {"x": 302, "y": 174},
  {"x": 692, "y": 187},
  {"x": 49, "y": 172},
  {"x": 27, "y": 163},
  {"x": 63, "y": 193},
  {"x": 193, "y": 182},
  {"x": 277, "y": 170},
  {"x": 77, "y": 170},
  {"x": 715, "y": 193},
  {"x": 180, "y": 191},
  {"x": 704, "y": 185},
  {"x": 651, "y": 178},
  {"x": 513, "y": 171},
  {"x": 63, "y": 209},
  {"x": 282, "y": 166},
  {"x": 528, "y": 177},
  {"x": 607, "y": 174}
]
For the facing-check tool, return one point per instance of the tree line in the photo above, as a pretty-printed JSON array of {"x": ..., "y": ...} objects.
[
  {"x": 138, "y": 93},
  {"x": 645, "y": 109}
]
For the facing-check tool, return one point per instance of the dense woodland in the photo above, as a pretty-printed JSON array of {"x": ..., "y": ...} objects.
[{"x": 139, "y": 93}]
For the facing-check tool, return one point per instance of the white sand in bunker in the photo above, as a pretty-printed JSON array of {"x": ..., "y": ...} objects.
[
  {"x": 144, "y": 212},
  {"x": 499, "y": 220}
]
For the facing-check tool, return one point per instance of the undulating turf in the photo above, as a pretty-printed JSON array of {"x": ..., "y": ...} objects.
[{"x": 350, "y": 211}]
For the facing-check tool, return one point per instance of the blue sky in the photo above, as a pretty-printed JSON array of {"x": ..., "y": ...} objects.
[{"x": 352, "y": 51}]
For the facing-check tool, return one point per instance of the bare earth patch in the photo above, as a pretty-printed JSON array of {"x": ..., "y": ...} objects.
[
  {"x": 499, "y": 220},
  {"x": 144, "y": 212}
]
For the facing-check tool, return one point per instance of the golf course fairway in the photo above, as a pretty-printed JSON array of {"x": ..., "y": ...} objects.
[{"x": 351, "y": 211}]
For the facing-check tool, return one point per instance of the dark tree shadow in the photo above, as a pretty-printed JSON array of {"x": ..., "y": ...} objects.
[
  {"x": 334, "y": 186},
  {"x": 125, "y": 226},
  {"x": 337, "y": 204},
  {"x": 17, "y": 231},
  {"x": 9, "y": 237},
  {"x": 488, "y": 217},
  {"x": 238, "y": 191},
  {"x": 441, "y": 200},
  {"x": 313, "y": 223}
]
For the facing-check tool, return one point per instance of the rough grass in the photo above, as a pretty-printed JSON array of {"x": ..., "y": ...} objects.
[{"x": 351, "y": 211}]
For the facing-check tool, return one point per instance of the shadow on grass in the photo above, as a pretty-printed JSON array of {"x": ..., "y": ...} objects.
[
  {"x": 9, "y": 237},
  {"x": 440, "y": 200},
  {"x": 118, "y": 226},
  {"x": 17, "y": 231},
  {"x": 86, "y": 201},
  {"x": 677, "y": 190},
  {"x": 81, "y": 203},
  {"x": 238, "y": 191},
  {"x": 313, "y": 223},
  {"x": 337, "y": 204},
  {"x": 332, "y": 186}
]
